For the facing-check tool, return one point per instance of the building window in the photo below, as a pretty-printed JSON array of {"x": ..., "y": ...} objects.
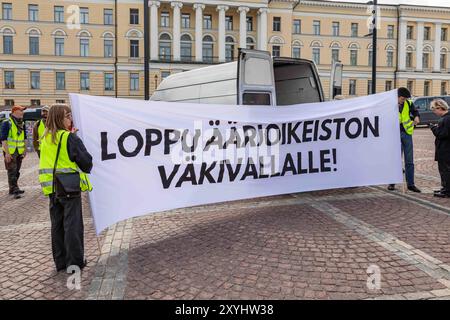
[
  {"x": 58, "y": 14},
  {"x": 134, "y": 48},
  {"x": 334, "y": 55},
  {"x": 59, "y": 46},
  {"x": 250, "y": 43},
  {"x": 296, "y": 52},
  {"x": 369, "y": 63},
  {"x": 109, "y": 82},
  {"x": 7, "y": 44},
  {"x": 108, "y": 48},
  {"x": 426, "y": 33},
  {"x": 186, "y": 48},
  {"x": 84, "y": 15},
  {"x": 229, "y": 23},
  {"x": 316, "y": 55},
  {"x": 409, "y": 59},
  {"x": 353, "y": 57},
  {"x": 410, "y": 85},
  {"x": 84, "y": 81},
  {"x": 426, "y": 88},
  {"x": 316, "y": 27},
  {"x": 229, "y": 49},
  {"x": 390, "y": 58},
  {"x": 107, "y": 16},
  {"x": 34, "y": 45},
  {"x": 409, "y": 32},
  {"x": 444, "y": 88},
  {"x": 134, "y": 81},
  {"x": 60, "y": 81},
  {"x": 425, "y": 60},
  {"x": 7, "y": 11},
  {"x": 35, "y": 102},
  {"x": 276, "y": 51},
  {"x": 388, "y": 86},
  {"x": 444, "y": 34},
  {"x": 249, "y": 23},
  {"x": 297, "y": 27},
  {"x": 390, "y": 31},
  {"x": 164, "y": 74},
  {"x": 33, "y": 12},
  {"x": 84, "y": 47},
  {"x": 165, "y": 19},
  {"x": 60, "y": 101},
  {"x": 354, "y": 30},
  {"x": 276, "y": 25},
  {"x": 35, "y": 79},
  {"x": 185, "y": 20},
  {"x": 9, "y": 102},
  {"x": 335, "y": 27},
  {"x": 208, "y": 49},
  {"x": 443, "y": 61},
  {"x": 165, "y": 47},
  {"x": 352, "y": 87},
  {"x": 134, "y": 16},
  {"x": 369, "y": 86},
  {"x": 207, "y": 21},
  {"x": 9, "y": 79}
]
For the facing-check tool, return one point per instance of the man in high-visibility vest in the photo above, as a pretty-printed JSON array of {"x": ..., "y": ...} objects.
[
  {"x": 39, "y": 128},
  {"x": 12, "y": 136},
  {"x": 408, "y": 117}
]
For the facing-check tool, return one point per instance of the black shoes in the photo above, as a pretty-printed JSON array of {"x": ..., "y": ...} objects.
[
  {"x": 413, "y": 188},
  {"x": 441, "y": 193},
  {"x": 16, "y": 193}
]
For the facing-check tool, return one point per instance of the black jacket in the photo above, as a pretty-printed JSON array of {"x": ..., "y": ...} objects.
[
  {"x": 78, "y": 153},
  {"x": 442, "y": 142}
]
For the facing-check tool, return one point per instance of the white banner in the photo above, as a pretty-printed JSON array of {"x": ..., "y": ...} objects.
[{"x": 156, "y": 156}]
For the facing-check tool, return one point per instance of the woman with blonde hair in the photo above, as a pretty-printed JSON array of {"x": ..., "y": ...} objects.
[
  {"x": 63, "y": 165},
  {"x": 442, "y": 153}
]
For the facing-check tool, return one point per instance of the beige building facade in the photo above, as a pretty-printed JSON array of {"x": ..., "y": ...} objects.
[{"x": 51, "y": 48}]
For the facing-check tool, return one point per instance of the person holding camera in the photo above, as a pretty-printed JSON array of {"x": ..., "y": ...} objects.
[
  {"x": 441, "y": 131},
  {"x": 63, "y": 165}
]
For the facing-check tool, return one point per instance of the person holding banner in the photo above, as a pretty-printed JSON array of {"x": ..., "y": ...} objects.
[
  {"x": 408, "y": 117},
  {"x": 442, "y": 154},
  {"x": 63, "y": 165}
]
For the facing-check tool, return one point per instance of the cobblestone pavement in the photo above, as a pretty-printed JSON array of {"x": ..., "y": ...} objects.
[{"x": 315, "y": 245}]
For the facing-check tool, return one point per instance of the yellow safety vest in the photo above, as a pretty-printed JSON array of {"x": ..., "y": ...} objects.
[
  {"x": 64, "y": 165},
  {"x": 15, "y": 141},
  {"x": 405, "y": 120},
  {"x": 41, "y": 129}
]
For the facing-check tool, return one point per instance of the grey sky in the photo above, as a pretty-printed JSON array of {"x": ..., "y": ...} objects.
[{"x": 437, "y": 3}]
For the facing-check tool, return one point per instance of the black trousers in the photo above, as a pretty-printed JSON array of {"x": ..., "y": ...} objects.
[
  {"x": 13, "y": 169},
  {"x": 444, "y": 171},
  {"x": 67, "y": 232}
]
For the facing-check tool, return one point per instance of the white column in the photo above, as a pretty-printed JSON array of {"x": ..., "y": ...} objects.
[
  {"x": 243, "y": 26},
  {"x": 222, "y": 10},
  {"x": 258, "y": 28},
  {"x": 419, "y": 46},
  {"x": 263, "y": 29},
  {"x": 154, "y": 5},
  {"x": 402, "y": 46},
  {"x": 198, "y": 7},
  {"x": 176, "y": 29},
  {"x": 437, "y": 47}
]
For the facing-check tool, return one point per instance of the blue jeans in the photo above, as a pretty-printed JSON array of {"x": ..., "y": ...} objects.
[{"x": 407, "y": 149}]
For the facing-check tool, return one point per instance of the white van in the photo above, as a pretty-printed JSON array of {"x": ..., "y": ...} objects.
[{"x": 255, "y": 79}]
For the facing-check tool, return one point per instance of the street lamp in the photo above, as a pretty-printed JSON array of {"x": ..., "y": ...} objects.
[{"x": 374, "y": 44}]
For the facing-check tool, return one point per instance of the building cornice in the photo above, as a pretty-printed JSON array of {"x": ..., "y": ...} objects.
[
  {"x": 344, "y": 5},
  {"x": 426, "y": 9}
]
